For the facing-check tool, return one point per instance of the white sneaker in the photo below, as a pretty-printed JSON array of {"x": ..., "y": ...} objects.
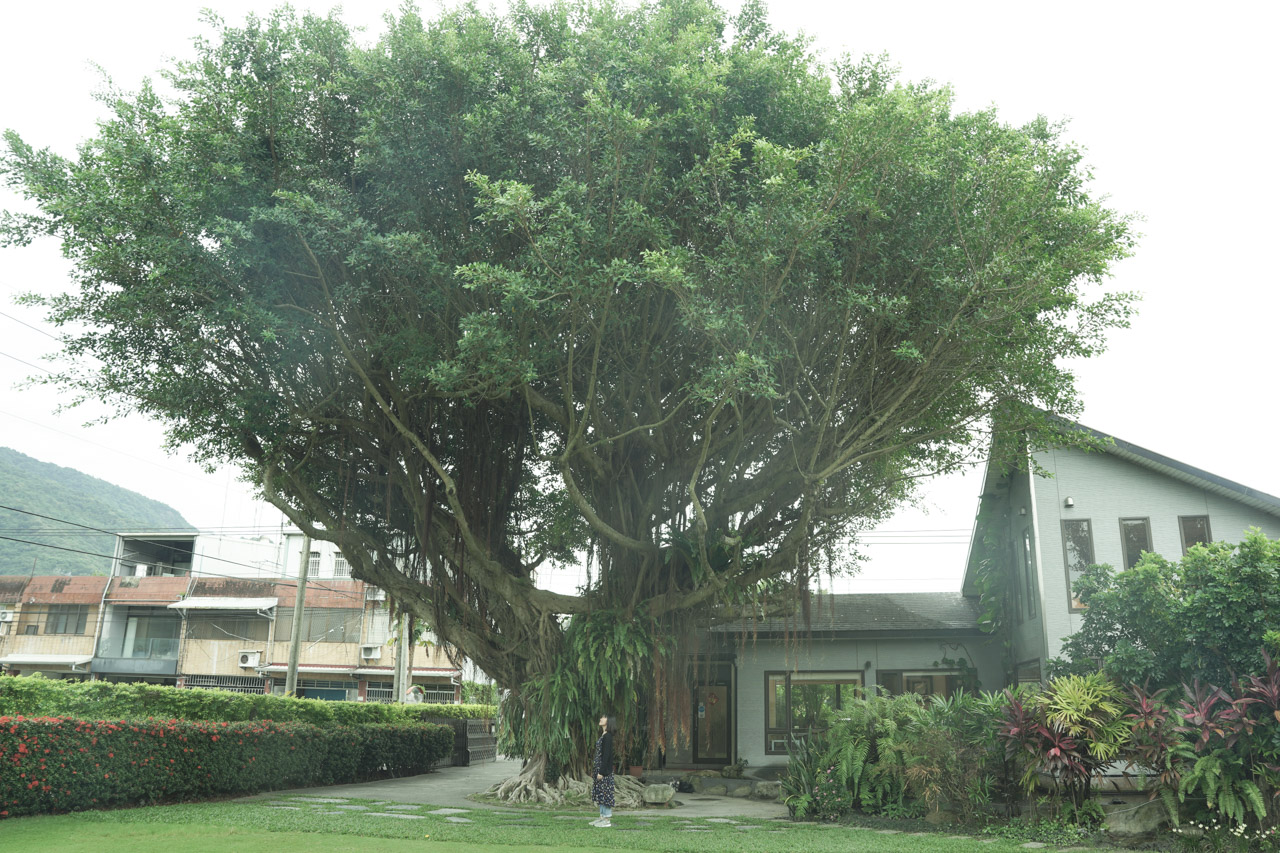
[{"x": 604, "y": 824}]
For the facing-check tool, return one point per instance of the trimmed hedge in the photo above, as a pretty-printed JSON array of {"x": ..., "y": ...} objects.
[
  {"x": 33, "y": 697},
  {"x": 50, "y": 764}
]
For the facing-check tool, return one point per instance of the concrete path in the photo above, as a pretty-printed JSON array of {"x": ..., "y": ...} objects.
[{"x": 450, "y": 787}]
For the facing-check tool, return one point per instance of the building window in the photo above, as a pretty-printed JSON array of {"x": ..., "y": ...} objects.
[
  {"x": 794, "y": 702},
  {"x": 1195, "y": 531},
  {"x": 241, "y": 627},
  {"x": 1135, "y": 537},
  {"x": 322, "y": 625},
  {"x": 341, "y": 569},
  {"x": 66, "y": 619},
  {"x": 1027, "y": 672},
  {"x": 313, "y": 564},
  {"x": 1077, "y": 554},
  {"x": 922, "y": 682},
  {"x": 1029, "y": 573}
]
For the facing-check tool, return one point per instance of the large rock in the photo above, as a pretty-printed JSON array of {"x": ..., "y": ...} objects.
[
  {"x": 1129, "y": 819},
  {"x": 715, "y": 790},
  {"x": 658, "y": 795},
  {"x": 740, "y": 791},
  {"x": 768, "y": 790}
]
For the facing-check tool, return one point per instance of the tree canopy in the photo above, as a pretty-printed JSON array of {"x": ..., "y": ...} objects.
[
  {"x": 651, "y": 284},
  {"x": 1207, "y": 617}
]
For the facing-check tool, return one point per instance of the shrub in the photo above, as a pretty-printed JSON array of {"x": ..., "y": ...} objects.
[
  {"x": 50, "y": 764},
  {"x": 35, "y": 697}
]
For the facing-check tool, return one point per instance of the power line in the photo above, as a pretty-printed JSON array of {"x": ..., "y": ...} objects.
[
  {"x": 27, "y": 363},
  {"x": 203, "y": 574},
  {"x": 99, "y": 530},
  {"x": 31, "y": 327}
]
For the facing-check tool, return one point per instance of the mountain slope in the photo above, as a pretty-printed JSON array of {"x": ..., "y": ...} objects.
[{"x": 64, "y": 493}]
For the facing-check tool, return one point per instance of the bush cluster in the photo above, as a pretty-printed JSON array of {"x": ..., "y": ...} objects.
[
  {"x": 53, "y": 764},
  {"x": 32, "y": 697},
  {"x": 1208, "y": 753}
]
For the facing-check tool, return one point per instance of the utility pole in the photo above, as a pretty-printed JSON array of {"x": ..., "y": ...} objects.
[
  {"x": 403, "y": 680},
  {"x": 295, "y": 642}
]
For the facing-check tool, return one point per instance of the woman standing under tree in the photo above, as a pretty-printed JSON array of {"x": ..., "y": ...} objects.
[{"x": 602, "y": 771}]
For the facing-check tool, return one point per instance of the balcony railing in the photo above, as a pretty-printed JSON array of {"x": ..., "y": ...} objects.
[{"x": 436, "y": 697}]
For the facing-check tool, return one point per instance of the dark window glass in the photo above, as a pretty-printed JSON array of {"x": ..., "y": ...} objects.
[
  {"x": 890, "y": 681},
  {"x": 1135, "y": 537},
  {"x": 794, "y": 702},
  {"x": 922, "y": 682},
  {"x": 1028, "y": 672},
  {"x": 1029, "y": 574},
  {"x": 66, "y": 619},
  {"x": 1077, "y": 553},
  {"x": 227, "y": 626},
  {"x": 322, "y": 626},
  {"x": 1195, "y": 531}
]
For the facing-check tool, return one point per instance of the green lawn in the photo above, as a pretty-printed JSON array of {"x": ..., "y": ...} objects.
[{"x": 285, "y": 825}]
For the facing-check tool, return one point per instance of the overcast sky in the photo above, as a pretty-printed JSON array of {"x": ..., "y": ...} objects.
[{"x": 1175, "y": 105}]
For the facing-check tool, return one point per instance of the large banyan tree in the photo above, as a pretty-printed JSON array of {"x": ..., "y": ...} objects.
[{"x": 646, "y": 289}]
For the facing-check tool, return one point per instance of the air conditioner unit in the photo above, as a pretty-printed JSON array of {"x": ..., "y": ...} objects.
[
  {"x": 6, "y": 615},
  {"x": 371, "y": 652},
  {"x": 250, "y": 658}
]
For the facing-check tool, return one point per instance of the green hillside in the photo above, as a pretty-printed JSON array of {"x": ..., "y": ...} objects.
[{"x": 64, "y": 493}]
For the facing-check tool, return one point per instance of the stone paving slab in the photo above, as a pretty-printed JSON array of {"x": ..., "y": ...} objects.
[
  {"x": 395, "y": 814},
  {"x": 321, "y": 799},
  {"x": 453, "y": 819},
  {"x": 448, "y": 811},
  {"x": 352, "y": 808}
]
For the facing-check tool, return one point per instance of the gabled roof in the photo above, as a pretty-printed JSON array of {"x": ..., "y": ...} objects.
[
  {"x": 1182, "y": 471},
  {"x": 336, "y": 593},
  {"x": 853, "y": 615},
  {"x": 53, "y": 589},
  {"x": 147, "y": 590},
  {"x": 1136, "y": 455},
  {"x": 11, "y": 588}
]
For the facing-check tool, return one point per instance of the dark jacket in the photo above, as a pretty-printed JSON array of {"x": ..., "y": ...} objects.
[{"x": 604, "y": 767}]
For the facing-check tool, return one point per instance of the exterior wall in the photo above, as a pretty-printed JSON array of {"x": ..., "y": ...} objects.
[
  {"x": 215, "y": 657},
  {"x": 1104, "y": 489},
  {"x": 1028, "y": 630},
  {"x": 17, "y": 642},
  {"x": 844, "y": 656},
  {"x": 229, "y": 556},
  {"x": 291, "y": 557}
]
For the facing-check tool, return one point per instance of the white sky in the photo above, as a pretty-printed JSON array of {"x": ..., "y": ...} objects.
[{"x": 1174, "y": 103}]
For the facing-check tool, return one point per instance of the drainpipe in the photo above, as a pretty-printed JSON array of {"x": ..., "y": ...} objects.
[{"x": 102, "y": 618}]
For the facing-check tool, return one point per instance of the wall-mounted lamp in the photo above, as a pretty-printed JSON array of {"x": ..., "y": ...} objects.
[
  {"x": 867, "y": 665},
  {"x": 1069, "y": 503},
  {"x": 1022, "y": 510}
]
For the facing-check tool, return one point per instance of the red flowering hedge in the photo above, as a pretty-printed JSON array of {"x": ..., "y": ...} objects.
[{"x": 50, "y": 764}]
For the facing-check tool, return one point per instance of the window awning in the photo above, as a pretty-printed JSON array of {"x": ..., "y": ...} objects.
[
  {"x": 20, "y": 659},
  {"x": 223, "y": 602}
]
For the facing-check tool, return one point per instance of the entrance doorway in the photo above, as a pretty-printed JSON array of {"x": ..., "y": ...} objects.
[{"x": 712, "y": 723}]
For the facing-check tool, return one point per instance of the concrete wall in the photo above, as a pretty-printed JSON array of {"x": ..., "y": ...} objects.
[{"x": 1104, "y": 489}]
